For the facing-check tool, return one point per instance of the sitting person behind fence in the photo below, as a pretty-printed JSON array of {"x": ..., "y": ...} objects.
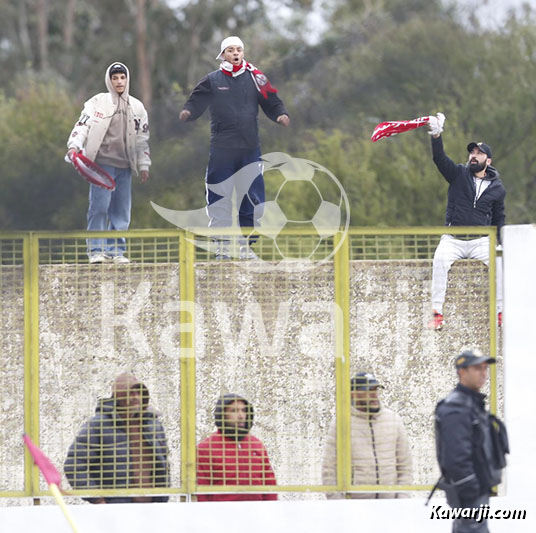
[
  {"x": 379, "y": 444},
  {"x": 231, "y": 455},
  {"x": 122, "y": 447}
]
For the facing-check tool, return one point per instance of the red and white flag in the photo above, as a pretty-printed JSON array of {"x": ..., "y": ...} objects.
[
  {"x": 91, "y": 172},
  {"x": 386, "y": 129}
]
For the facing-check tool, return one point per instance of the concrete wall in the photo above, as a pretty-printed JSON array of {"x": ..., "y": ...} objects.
[
  {"x": 11, "y": 377},
  {"x": 340, "y": 516},
  {"x": 269, "y": 337}
]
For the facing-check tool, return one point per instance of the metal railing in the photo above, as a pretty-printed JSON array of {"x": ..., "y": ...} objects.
[{"x": 51, "y": 295}]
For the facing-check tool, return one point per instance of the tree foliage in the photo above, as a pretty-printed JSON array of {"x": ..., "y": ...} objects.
[{"x": 377, "y": 60}]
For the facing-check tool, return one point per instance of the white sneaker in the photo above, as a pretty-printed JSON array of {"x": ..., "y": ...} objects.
[
  {"x": 97, "y": 258},
  {"x": 247, "y": 254},
  {"x": 222, "y": 253},
  {"x": 437, "y": 321},
  {"x": 121, "y": 259}
]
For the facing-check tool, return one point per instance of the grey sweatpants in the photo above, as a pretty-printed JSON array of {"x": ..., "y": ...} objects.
[{"x": 451, "y": 249}]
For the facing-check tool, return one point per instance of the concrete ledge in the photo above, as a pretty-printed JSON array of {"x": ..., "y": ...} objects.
[{"x": 344, "y": 516}]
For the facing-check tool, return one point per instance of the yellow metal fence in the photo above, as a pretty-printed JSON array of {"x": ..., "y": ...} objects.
[{"x": 286, "y": 335}]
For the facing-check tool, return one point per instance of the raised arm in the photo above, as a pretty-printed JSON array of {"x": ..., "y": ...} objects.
[
  {"x": 198, "y": 101},
  {"x": 444, "y": 164}
]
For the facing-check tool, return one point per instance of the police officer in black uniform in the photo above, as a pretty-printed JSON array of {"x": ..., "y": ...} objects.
[{"x": 471, "y": 443}]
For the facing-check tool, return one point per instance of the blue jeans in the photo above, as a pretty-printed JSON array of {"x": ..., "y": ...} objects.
[
  {"x": 222, "y": 164},
  {"x": 110, "y": 210}
]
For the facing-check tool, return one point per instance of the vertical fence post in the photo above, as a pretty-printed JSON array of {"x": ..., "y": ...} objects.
[
  {"x": 187, "y": 362},
  {"x": 342, "y": 360},
  {"x": 27, "y": 276},
  {"x": 31, "y": 357}
]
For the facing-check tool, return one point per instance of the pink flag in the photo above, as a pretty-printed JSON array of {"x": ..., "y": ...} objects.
[
  {"x": 386, "y": 129},
  {"x": 49, "y": 471}
]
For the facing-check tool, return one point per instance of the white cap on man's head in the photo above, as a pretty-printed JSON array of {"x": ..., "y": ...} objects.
[{"x": 230, "y": 41}]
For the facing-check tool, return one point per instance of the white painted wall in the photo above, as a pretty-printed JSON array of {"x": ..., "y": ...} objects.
[
  {"x": 345, "y": 516},
  {"x": 520, "y": 357}
]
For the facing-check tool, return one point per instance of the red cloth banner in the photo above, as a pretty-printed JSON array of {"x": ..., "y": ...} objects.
[
  {"x": 386, "y": 129},
  {"x": 91, "y": 172}
]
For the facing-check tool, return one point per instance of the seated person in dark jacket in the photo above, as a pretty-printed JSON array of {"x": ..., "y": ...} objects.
[
  {"x": 122, "y": 446},
  {"x": 475, "y": 198},
  {"x": 233, "y": 95}
]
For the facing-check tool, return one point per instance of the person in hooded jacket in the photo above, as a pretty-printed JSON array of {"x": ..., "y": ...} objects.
[
  {"x": 380, "y": 449},
  {"x": 233, "y": 94},
  {"x": 475, "y": 198},
  {"x": 112, "y": 131},
  {"x": 231, "y": 455},
  {"x": 122, "y": 447}
]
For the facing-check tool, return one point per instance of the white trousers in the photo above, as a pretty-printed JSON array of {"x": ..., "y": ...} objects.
[{"x": 451, "y": 249}]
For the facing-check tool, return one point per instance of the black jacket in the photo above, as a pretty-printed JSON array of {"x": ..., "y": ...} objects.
[
  {"x": 462, "y": 209},
  {"x": 99, "y": 457},
  {"x": 233, "y": 105},
  {"x": 464, "y": 443}
]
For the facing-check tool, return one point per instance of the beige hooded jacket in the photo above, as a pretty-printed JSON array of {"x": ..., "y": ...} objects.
[
  {"x": 380, "y": 453},
  {"x": 90, "y": 130}
]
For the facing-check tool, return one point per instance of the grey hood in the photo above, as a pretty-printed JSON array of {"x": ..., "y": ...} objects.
[
  {"x": 219, "y": 409},
  {"x": 109, "y": 85}
]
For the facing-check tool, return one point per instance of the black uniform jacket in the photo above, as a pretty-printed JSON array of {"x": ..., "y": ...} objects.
[
  {"x": 463, "y": 209},
  {"x": 233, "y": 105},
  {"x": 463, "y": 441}
]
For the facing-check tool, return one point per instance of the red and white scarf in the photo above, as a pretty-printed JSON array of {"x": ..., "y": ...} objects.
[
  {"x": 386, "y": 129},
  {"x": 259, "y": 78}
]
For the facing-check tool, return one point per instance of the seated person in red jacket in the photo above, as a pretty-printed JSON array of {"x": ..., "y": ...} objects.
[{"x": 231, "y": 455}]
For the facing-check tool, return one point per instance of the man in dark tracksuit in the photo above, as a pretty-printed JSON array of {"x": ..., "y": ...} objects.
[
  {"x": 475, "y": 198},
  {"x": 464, "y": 442},
  {"x": 122, "y": 446},
  {"x": 233, "y": 94}
]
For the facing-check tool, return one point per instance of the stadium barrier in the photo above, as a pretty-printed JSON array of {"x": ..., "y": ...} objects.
[{"x": 286, "y": 330}]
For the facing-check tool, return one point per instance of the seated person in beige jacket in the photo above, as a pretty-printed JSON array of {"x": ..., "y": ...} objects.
[{"x": 379, "y": 443}]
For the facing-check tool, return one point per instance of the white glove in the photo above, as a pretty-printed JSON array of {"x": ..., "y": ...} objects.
[{"x": 436, "y": 124}]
